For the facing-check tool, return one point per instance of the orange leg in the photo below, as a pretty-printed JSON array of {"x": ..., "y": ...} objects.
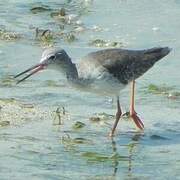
[
  {"x": 133, "y": 113},
  {"x": 118, "y": 115}
]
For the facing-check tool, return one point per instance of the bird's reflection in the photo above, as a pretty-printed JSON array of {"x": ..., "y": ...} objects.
[
  {"x": 116, "y": 161},
  {"x": 130, "y": 148},
  {"x": 115, "y": 157}
]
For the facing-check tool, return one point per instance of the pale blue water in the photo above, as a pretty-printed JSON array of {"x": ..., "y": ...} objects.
[{"x": 35, "y": 150}]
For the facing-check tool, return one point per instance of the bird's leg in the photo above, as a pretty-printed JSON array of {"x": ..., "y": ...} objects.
[
  {"x": 133, "y": 113},
  {"x": 118, "y": 115}
]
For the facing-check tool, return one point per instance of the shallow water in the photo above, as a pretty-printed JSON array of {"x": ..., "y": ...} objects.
[{"x": 41, "y": 150}]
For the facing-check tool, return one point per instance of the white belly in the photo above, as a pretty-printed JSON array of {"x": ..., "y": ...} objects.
[
  {"x": 107, "y": 86},
  {"x": 99, "y": 82}
]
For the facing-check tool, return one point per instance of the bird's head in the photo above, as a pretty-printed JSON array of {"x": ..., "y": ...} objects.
[{"x": 52, "y": 59}]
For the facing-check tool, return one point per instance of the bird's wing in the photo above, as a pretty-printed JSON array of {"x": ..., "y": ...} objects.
[{"x": 125, "y": 65}]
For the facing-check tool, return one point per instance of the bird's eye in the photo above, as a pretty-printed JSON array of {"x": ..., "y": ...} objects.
[{"x": 52, "y": 57}]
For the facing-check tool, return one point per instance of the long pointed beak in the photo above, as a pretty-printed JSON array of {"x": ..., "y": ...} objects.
[{"x": 33, "y": 69}]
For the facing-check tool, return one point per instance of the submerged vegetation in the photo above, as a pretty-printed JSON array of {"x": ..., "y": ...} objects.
[
  {"x": 44, "y": 36},
  {"x": 105, "y": 43},
  {"x": 59, "y": 116},
  {"x": 16, "y": 112},
  {"x": 98, "y": 157},
  {"x": 165, "y": 90},
  {"x": 78, "y": 125},
  {"x": 62, "y": 146},
  {"x": 66, "y": 26},
  {"x": 7, "y": 81},
  {"x": 9, "y": 36},
  {"x": 39, "y": 9}
]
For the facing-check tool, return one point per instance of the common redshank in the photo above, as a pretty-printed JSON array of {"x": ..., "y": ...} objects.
[{"x": 104, "y": 72}]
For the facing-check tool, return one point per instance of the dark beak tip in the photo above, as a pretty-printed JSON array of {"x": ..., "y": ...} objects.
[{"x": 33, "y": 69}]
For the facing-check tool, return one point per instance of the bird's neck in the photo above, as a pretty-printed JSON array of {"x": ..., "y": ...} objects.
[{"x": 71, "y": 71}]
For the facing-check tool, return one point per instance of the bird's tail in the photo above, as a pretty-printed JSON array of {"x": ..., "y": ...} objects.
[
  {"x": 155, "y": 54},
  {"x": 148, "y": 58}
]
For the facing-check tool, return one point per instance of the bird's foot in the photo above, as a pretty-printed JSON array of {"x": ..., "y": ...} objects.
[
  {"x": 137, "y": 120},
  {"x": 111, "y": 134}
]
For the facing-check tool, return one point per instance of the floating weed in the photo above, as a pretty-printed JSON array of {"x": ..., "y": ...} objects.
[
  {"x": 98, "y": 157},
  {"x": 101, "y": 117},
  {"x": 95, "y": 119},
  {"x": 26, "y": 105},
  {"x": 4, "y": 123},
  {"x": 40, "y": 9},
  {"x": 174, "y": 95},
  {"x": 7, "y": 81},
  {"x": 47, "y": 37},
  {"x": 159, "y": 89},
  {"x": 61, "y": 13},
  {"x": 105, "y": 116},
  {"x": 17, "y": 112},
  {"x": 82, "y": 141},
  {"x": 8, "y": 100},
  {"x": 9, "y": 36},
  {"x": 158, "y": 137},
  {"x": 164, "y": 90},
  {"x": 70, "y": 144},
  {"x": 78, "y": 125},
  {"x": 59, "y": 116},
  {"x": 74, "y": 141},
  {"x": 105, "y": 43},
  {"x": 95, "y": 157},
  {"x": 61, "y": 16},
  {"x": 69, "y": 37},
  {"x": 44, "y": 36},
  {"x": 79, "y": 29},
  {"x": 153, "y": 88}
]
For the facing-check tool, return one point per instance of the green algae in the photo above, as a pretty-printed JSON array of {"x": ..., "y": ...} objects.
[
  {"x": 61, "y": 13},
  {"x": 4, "y": 123},
  {"x": 168, "y": 91},
  {"x": 99, "y": 157},
  {"x": 40, "y": 9},
  {"x": 45, "y": 37},
  {"x": 16, "y": 112},
  {"x": 9, "y": 36},
  {"x": 59, "y": 116},
  {"x": 7, "y": 81},
  {"x": 78, "y": 125},
  {"x": 74, "y": 141},
  {"x": 105, "y": 43}
]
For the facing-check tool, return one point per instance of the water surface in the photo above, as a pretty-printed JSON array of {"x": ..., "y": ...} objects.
[{"x": 41, "y": 150}]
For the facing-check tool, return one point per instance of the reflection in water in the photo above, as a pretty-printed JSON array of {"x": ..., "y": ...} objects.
[
  {"x": 94, "y": 158},
  {"x": 116, "y": 161},
  {"x": 130, "y": 148},
  {"x": 137, "y": 137},
  {"x": 34, "y": 148}
]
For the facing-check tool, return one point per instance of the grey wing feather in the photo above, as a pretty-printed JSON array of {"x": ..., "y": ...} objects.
[{"x": 125, "y": 65}]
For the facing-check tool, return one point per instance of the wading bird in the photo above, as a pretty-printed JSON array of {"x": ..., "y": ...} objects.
[{"x": 105, "y": 72}]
